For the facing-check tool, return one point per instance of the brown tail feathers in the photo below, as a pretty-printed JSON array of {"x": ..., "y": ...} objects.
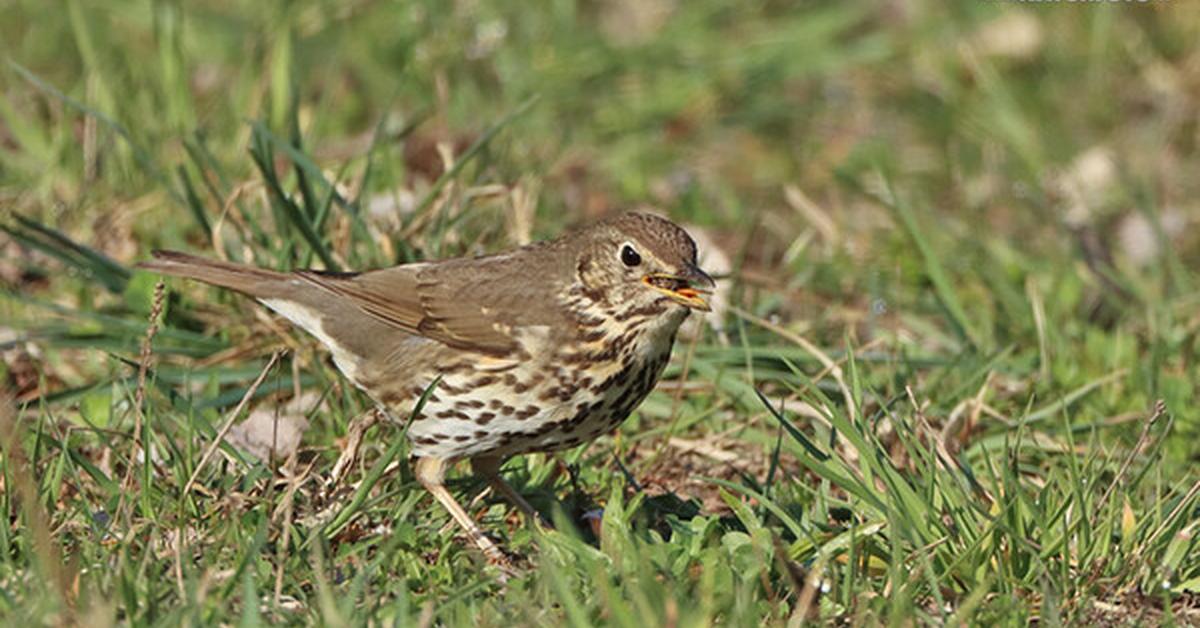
[{"x": 255, "y": 282}]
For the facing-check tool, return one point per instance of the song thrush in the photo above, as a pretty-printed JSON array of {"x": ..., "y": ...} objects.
[{"x": 538, "y": 349}]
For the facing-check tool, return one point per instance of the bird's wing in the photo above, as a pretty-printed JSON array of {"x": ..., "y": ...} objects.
[{"x": 466, "y": 304}]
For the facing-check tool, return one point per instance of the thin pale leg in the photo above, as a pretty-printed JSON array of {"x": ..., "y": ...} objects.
[
  {"x": 431, "y": 472},
  {"x": 489, "y": 468}
]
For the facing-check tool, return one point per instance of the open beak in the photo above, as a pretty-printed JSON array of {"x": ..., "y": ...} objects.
[{"x": 688, "y": 288}]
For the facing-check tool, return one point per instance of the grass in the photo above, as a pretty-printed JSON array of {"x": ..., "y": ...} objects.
[{"x": 955, "y": 381}]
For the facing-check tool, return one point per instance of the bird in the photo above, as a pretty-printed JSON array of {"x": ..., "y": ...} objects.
[{"x": 536, "y": 349}]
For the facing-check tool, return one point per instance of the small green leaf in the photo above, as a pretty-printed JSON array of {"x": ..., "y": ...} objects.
[
  {"x": 96, "y": 407},
  {"x": 1191, "y": 585}
]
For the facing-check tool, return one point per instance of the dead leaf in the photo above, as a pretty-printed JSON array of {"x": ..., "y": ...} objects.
[{"x": 274, "y": 432}]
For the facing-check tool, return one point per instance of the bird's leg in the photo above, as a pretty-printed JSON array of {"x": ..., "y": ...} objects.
[
  {"x": 431, "y": 472},
  {"x": 489, "y": 468}
]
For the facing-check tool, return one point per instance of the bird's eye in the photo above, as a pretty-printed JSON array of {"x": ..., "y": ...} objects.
[{"x": 630, "y": 257}]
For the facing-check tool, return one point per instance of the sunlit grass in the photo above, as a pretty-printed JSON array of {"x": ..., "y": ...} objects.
[{"x": 956, "y": 382}]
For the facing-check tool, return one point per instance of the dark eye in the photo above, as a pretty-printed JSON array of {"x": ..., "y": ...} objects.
[{"x": 629, "y": 256}]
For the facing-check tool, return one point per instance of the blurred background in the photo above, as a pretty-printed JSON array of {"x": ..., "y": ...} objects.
[
  {"x": 1040, "y": 153},
  {"x": 990, "y": 203}
]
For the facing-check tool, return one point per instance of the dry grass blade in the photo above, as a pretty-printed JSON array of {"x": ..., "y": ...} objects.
[
  {"x": 358, "y": 428},
  {"x": 834, "y": 369},
  {"x": 1160, "y": 409},
  {"x": 139, "y": 410},
  {"x": 212, "y": 447}
]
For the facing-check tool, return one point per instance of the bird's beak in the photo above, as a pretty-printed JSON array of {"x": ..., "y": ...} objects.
[{"x": 687, "y": 288}]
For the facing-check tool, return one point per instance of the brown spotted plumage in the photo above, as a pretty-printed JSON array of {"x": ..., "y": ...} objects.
[{"x": 537, "y": 349}]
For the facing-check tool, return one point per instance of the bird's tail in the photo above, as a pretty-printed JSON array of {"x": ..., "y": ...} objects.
[{"x": 256, "y": 282}]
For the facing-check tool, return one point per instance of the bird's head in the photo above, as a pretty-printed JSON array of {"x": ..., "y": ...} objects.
[{"x": 636, "y": 259}]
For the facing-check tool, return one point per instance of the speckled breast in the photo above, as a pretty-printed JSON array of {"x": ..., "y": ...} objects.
[{"x": 566, "y": 397}]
